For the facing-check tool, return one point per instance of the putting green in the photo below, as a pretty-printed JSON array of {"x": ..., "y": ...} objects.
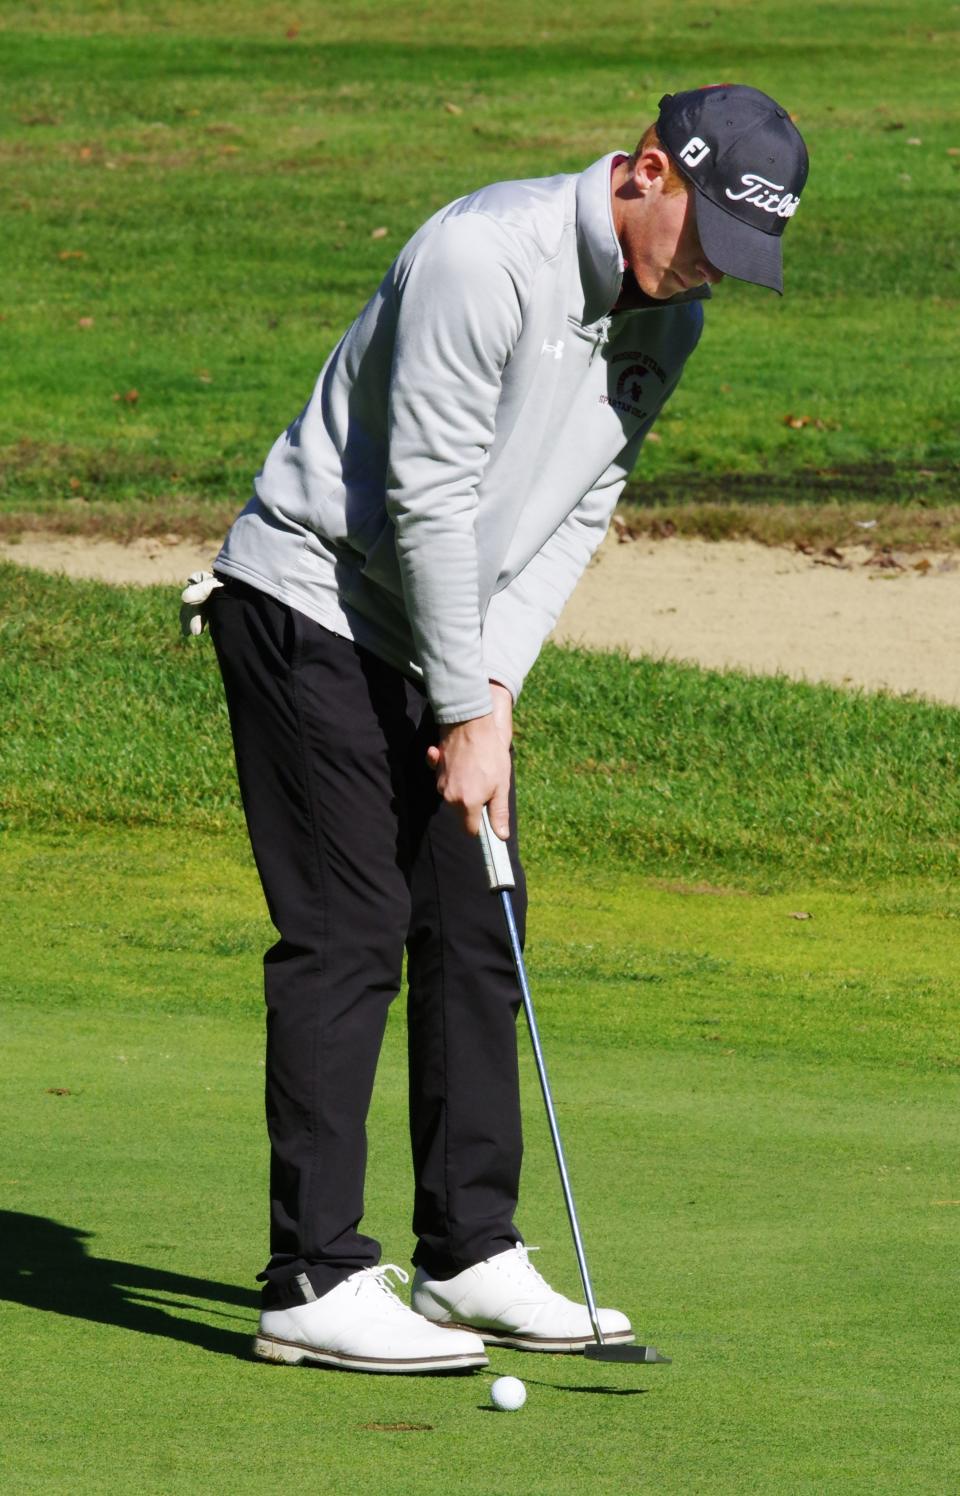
[{"x": 780, "y": 1217}]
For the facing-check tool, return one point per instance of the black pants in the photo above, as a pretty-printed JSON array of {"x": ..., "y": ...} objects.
[{"x": 359, "y": 857}]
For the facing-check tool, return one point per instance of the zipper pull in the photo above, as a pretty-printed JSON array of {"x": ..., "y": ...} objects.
[{"x": 603, "y": 337}]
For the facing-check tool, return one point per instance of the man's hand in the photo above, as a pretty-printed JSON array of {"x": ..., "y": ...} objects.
[{"x": 472, "y": 764}]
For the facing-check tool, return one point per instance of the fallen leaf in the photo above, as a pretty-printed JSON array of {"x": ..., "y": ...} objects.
[
  {"x": 953, "y": 150},
  {"x": 799, "y": 914},
  {"x": 292, "y": 32},
  {"x": 796, "y": 423},
  {"x": 452, "y": 108},
  {"x": 914, "y": 140},
  {"x": 72, "y": 254},
  {"x": 663, "y": 529},
  {"x": 204, "y": 376},
  {"x": 865, "y": 524},
  {"x": 85, "y": 153},
  {"x": 380, "y": 233},
  {"x": 653, "y": 436},
  {"x": 85, "y": 322},
  {"x": 58, "y": 1091},
  {"x": 130, "y": 398},
  {"x": 885, "y": 559},
  {"x": 922, "y": 566},
  {"x": 894, "y": 124},
  {"x": 74, "y": 483},
  {"x": 830, "y": 556}
]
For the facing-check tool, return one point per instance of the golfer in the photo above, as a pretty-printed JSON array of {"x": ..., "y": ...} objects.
[{"x": 411, "y": 541}]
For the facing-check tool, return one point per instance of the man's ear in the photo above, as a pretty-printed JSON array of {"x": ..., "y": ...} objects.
[{"x": 651, "y": 166}]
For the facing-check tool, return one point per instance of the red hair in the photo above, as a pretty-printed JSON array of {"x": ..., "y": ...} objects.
[{"x": 674, "y": 181}]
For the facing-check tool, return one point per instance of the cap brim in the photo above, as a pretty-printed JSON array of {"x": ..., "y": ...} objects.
[{"x": 737, "y": 249}]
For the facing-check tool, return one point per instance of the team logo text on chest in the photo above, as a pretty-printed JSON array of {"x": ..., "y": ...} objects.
[{"x": 633, "y": 381}]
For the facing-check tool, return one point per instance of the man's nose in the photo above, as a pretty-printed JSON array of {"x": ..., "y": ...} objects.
[{"x": 710, "y": 272}]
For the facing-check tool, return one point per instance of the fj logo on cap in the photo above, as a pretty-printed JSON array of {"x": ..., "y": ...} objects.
[{"x": 695, "y": 151}]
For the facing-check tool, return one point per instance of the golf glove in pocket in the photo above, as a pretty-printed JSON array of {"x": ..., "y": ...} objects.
[{"x": 193, "y": 598}]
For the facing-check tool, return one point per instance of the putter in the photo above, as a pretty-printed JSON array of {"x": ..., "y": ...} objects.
[{"x": 496, "y": 858}]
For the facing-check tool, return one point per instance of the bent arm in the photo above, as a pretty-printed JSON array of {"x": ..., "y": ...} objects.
[
  {"x": 524, "y": 612},
  {"x": 459, "y": 321}
]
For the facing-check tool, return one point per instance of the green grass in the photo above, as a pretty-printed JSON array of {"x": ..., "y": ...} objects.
[
  {"x": 743, "y": 946},
  {"x": 205, "y": 187},
  {"x": 766, "y": 1180},
  {"x": 107, "y": 717}
]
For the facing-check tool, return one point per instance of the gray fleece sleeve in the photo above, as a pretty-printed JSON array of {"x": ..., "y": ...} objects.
[
  {"x": 521, "y": 616},
  {"x": 460, "y": 318}
]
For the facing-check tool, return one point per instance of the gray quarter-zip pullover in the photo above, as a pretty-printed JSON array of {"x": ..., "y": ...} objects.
[{"x": 468, "y": 438}]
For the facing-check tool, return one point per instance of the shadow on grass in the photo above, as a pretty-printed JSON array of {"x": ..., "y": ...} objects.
[{"x": 46, "y": 1265}]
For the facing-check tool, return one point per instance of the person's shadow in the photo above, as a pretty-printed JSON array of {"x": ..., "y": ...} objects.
[{"x": 46, "y": 1265}]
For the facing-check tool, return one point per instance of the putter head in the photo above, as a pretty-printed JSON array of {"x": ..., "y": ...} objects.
[{"x": 647, "y": 1354}]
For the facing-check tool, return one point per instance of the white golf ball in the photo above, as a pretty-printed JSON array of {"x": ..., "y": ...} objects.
[{"x": 508, "y": 1394}]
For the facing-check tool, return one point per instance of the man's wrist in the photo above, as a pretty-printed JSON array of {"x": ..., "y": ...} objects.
[{"x": 469, "y": 727}]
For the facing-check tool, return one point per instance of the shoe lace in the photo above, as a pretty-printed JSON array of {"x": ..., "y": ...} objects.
[
  {"x": 375, "y": 1278},
  {"x": 520, "y": 1266}
]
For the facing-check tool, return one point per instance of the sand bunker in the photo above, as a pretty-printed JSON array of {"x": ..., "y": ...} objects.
[{"x": 729, "y": 604}]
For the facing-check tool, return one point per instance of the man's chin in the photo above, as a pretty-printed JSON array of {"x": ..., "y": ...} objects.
[{"x": 668, "y": 285}]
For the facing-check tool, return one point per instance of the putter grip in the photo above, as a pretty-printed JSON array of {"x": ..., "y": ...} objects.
[{"x": 496, "y": 856}]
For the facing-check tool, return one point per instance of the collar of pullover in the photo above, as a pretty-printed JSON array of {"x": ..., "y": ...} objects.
[{"x": 598, "y": 248}]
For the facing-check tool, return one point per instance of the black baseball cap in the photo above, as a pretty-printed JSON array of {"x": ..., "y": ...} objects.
[{"x": 748, "y": 163}]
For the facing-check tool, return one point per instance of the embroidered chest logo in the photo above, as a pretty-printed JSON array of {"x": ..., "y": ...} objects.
[
  {"x": 555, "y": 348},
  {"x": 635, "y": 382},
  {"x": 630, "y": 383}
]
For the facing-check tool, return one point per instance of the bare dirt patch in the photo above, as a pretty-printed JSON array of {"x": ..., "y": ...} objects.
[{"x": 851, "y": 617}]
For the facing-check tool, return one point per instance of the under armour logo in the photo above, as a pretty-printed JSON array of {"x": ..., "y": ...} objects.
[{"x": 555, "y": 348}]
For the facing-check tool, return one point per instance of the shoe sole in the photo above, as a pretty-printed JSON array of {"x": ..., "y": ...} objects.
[
  {"x": 517, "y": 1342},
  {"x": 290, "y": 1353}
]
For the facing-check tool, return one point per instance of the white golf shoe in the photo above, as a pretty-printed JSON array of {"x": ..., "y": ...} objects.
[
  {"x": 362, "y": 1325},
  {"x": 505, "y": 1300}
]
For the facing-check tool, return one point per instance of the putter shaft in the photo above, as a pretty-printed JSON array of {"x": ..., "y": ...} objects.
[
  {"x": 500, "y": 877},
  {"x": 507, "y": 905}
]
